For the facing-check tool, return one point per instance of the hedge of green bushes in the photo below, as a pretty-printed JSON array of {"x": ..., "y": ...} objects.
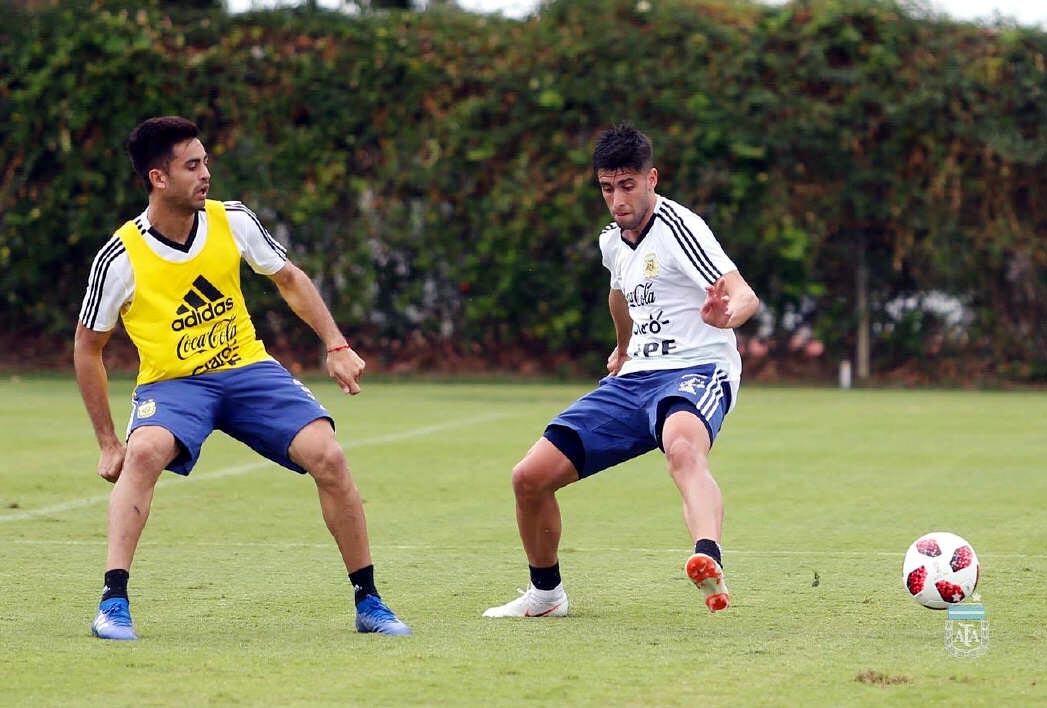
[{"x": 431, "y": 169}]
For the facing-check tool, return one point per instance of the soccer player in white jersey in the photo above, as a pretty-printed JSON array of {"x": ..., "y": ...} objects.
[
  {"x": 675, "y": 300},
  {"x": 173, "y": 276}
]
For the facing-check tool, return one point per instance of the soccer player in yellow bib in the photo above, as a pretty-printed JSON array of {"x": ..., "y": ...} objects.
[{"x": 173, "y": 276}]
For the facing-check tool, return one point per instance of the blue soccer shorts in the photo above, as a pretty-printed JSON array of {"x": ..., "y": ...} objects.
[
  {"x": 623, "y": 417},
  {"x": 261, "y": 405}
]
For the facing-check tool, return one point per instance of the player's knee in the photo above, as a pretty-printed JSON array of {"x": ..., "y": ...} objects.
[
  {"x": 327, "y": 464},
  {"x": 146, "y": 458},
  {"x": 528, "y": 479},
  {"x": 685, "y": 454}
]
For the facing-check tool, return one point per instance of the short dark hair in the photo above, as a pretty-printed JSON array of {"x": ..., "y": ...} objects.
[
  {"x": 151, "y": 143},
  {"x": 623, "y": 146}
]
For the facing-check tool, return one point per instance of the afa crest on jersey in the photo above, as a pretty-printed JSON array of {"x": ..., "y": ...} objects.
[{"x": 650, "y": 266}]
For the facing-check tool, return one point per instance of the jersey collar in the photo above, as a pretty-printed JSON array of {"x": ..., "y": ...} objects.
[
  {"x": 646, "y": 229},
  {"x": 183, "y": 247}
]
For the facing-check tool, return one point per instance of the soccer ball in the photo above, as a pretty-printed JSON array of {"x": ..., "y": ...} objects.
[{"x": 940, "y": 569}]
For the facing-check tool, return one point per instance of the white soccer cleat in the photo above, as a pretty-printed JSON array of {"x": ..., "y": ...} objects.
[
  {"x": 707, "y": 575},
  {"x": 533, "y": 603}
]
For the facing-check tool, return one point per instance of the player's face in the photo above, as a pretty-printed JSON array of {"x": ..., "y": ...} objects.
[
  {"x": 185, "y": 182},
  {"x": 629, "y": 195}
]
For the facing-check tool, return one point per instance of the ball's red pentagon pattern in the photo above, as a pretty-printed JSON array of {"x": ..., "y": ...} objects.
[
  {"x": 915, "y": 580},
  {"x": 949, "y": 592},
  {"x": 961, "y": 558},
  {"x": 928, "y": 547}
]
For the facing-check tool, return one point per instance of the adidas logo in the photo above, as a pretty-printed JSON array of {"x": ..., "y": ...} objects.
[{"x": 203, "y": 303}]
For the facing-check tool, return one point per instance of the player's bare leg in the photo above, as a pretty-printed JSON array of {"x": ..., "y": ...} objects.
[
  {"x": 536, "y": 479},
  {"x": 316, "y": 449},
  {"x": 686, "y": 443},
  {"x": 149, "y": 450}
]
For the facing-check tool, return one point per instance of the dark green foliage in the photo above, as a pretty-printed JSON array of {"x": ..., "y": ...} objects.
[{"x": 432, "y": 169}]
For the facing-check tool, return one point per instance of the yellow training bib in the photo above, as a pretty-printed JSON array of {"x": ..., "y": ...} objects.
[{"x": 189, "y": 318}]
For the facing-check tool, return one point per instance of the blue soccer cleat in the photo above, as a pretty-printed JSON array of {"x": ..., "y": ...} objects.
[
  {"x": 113, "y": 620},
  {"x": 373, "y": 616}
]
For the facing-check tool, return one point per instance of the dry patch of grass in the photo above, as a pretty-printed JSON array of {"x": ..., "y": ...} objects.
[{"x": 877, "y": 678}]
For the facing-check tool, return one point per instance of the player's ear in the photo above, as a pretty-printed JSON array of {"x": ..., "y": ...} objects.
[
  {"x": 652, "y": 178},
  {"x": 157, "y": 178}
]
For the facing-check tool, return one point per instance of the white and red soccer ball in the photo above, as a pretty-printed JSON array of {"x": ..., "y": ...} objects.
[{"x": 940, "y": 569}]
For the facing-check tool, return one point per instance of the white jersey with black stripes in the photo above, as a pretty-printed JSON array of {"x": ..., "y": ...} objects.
[
  {"x": 663, "y": 277},
  {"x": 110, "y": 285}
]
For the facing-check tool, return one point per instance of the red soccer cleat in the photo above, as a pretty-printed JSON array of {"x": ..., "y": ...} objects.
[{"x": 707, "y": 575}]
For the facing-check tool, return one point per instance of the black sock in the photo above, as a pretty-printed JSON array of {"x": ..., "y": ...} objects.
[
  {"x": 710, "y": 548},
  {"x": 545, "y": 578},
  {"x": 363, "y": 583},
  {"x": 115, "y": 584}
]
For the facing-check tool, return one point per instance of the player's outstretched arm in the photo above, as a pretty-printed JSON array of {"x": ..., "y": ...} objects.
[
  {"x": 93, "y": 380},
  {"x": 729, "y": 302},
  {"x": 343, "y": 364}
]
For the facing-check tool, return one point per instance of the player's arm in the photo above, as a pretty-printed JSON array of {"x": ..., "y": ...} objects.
[
  {"x": 623, "y": 330},
  {"x": 343, "y": 365},
  {"x": 93, "y": 381},
  {"x": 729, "y": 302}
]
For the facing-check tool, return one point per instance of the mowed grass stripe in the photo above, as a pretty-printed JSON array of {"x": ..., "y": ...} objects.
[
  {"x": 769, "y": 553},
  {"x": 255, "y": 465}
]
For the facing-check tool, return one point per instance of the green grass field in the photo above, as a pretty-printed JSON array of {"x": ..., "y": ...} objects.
[{"x": 240, "y": 598}]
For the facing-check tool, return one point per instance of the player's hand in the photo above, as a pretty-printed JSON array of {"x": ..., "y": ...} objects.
[
  {"x": 346, "y": 367},
  {"x": 616, "y": 360},
  {"x": 111, "y": 462},
  {"x": 717, "y": 308}
]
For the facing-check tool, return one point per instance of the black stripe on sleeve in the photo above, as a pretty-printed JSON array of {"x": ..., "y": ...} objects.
[
  {"x": 686, "y": 248},
  {"x": 109, "y": 253},
  {"x": 276, "y": 246},
  {"x": 693, "y": 240}
]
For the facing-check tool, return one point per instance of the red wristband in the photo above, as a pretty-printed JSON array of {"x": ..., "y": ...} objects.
[{"x": 339, "y": 348}]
